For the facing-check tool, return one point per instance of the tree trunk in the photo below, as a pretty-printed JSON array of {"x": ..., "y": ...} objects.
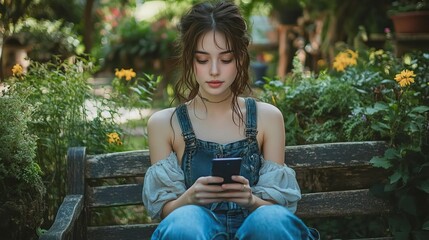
[{"x": 88, "y": 25}]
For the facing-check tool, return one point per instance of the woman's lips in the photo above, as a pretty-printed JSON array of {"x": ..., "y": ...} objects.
[{"x": 215, "y": 84}]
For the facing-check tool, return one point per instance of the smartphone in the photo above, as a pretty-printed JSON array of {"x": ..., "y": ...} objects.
[{"x": 225, "y": 168}]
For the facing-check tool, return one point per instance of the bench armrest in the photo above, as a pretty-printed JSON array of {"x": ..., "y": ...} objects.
[{"x": 66, "y": 218}]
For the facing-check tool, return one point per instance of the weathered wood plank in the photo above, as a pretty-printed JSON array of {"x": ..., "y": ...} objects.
[
  {"x": 76, "y": 157},
  {"x": 341, "y": 203},
  {"x": 326, "y": 154},
  {"x": 122, "y": 232},
  {"x": 312, "y": 205},
  {"x": 135, "y": 163},
  {"x": 340, "y": 178},
  {"x": 67, "y": 214},
  {"x": 119, "y": 195},
  {"x": 119, "y": 164}
]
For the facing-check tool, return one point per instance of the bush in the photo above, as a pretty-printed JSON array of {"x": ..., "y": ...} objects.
[
  {"x": 369, "y": 95},
  {"x": 21, "y": 201},
  {"x": 63, "y": 118}
]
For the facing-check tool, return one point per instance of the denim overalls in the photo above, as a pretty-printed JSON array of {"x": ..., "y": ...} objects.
[
  {"x": 226, "y": 220},
  {"x": 196, "y": 160}
]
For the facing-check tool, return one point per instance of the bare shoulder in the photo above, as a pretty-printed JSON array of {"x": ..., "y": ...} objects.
[
  {"x": 160, "y": 134},
  {"x": 267, "y": 111},
  {"x": 161, "y": 117}
]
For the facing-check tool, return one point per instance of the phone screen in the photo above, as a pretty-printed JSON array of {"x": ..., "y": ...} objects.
[{"x": 225, "y": 168}]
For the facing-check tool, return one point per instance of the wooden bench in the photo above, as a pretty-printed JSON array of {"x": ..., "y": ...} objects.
[{"x": 342, "y": 192}]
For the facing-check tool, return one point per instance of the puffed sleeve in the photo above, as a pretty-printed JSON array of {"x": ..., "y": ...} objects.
[
  {"x": 163, "y": 182},
  {"x": 278, "y": 183}
]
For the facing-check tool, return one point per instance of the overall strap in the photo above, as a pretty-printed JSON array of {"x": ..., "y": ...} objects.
[
  {"x": 251, "y": 119},
  {"x": 186, "y": 125}
]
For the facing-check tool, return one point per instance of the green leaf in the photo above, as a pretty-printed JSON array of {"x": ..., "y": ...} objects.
[
  {"x": 380, "y": 162},
  {"x": 396, "y": 176},
  {"x": 370, "y": 111},
  {"x": 361, "y": 91},
  {"x": 425, "y": 226},
  {"x": 380, "y": 106},
  {"x": 424, "y": 186},
  {"x": 392, "y": 153},
  {"x": 380, "y": 127},
  {"x": 420, "y": 109},
  {"x": 390, "y": 187},
  {"x": 136, "y": 90},
  {"x": 386, "y": 81}
]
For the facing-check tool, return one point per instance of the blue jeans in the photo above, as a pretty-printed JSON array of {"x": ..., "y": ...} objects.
[{"x": 267, "y": 222}]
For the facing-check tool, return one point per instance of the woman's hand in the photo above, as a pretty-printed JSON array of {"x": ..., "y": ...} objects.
[
  {"x": 207, "y": 190},
  {"x": 239, "y": 192}
]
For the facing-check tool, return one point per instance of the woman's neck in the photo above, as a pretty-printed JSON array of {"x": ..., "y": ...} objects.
[
  {"x": 205, "y": 107},
  {"x": 228, "y": 98}
]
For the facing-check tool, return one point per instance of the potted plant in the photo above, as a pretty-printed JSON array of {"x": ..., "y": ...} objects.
[{"x": 410, "y": 16}]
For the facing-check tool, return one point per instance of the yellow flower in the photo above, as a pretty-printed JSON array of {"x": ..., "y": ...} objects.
[
  {"x": 17, "y": 70},
  {"x": 114, "y": 138},
  {"x": 127, "y": 73},
  {"x": 268, "y": 57},
  {"x": 119, "y": 73},
  {"x": 321, "y": 63},
  {"x": 405, "y": 78},
  {"x": 345, "y": 59}
]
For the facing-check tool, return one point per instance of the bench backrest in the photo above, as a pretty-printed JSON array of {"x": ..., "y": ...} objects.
[{"x": 306, "y": 160}]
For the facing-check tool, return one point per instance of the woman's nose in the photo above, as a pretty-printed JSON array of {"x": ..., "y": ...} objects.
[{"x": 214, "y": 71}]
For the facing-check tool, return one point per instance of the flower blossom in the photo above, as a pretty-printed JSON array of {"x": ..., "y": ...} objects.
[
  {"x": 344, "y": 59},
  {"x": 114, "y": 138},
  {"x": 17, "y": 70},
  {"x": 405, "y": 78},
  {"x": 125, "y": 73}
]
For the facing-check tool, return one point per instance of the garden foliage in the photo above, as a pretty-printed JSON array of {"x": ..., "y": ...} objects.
[
  {"x": 66, "y": 114},
  {"x": 368, "y": 95},
  {"x": 21, "y": 187}
]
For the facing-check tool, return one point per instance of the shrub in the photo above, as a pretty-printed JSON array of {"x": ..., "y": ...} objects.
[
  {"x": 369, "y": 95},
  {"x": 66, "y": 114},
  {"x": 21, "y": 201}
]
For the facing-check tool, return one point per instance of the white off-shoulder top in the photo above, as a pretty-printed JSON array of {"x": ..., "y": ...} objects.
[{"x": 165, "y": 181}]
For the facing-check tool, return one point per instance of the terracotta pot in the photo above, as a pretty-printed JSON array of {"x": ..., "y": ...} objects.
[{"x": 411, "y": 22}]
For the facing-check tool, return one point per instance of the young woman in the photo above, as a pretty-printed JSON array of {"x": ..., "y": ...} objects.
[{"x": 215, "y": 121}]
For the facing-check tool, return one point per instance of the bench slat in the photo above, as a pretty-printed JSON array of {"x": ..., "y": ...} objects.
[
  {"x": 312, "y": 205},
  {"x": 118, "y": 164},
  {"x": 123, "y": 232},
  {"x": 135, "y": 163},
  {"x": 118, "y": 195},
  {"x": 333, "y": 154},
  {"x": 341, "y": 204}
]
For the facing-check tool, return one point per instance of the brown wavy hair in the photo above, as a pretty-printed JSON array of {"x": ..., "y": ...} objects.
[{"x": 223, "y": 17}]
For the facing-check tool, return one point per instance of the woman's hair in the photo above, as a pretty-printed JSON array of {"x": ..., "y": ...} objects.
[{"x": 223, "y": 17}]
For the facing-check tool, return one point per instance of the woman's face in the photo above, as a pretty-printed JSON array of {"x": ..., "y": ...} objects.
[{"x": 215, "y": 66}]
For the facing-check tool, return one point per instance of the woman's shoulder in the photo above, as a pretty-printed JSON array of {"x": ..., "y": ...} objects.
[
  {"x": 161, "y": 117},
  {"x": 163, "y": 113},
  {"x": 267, "y": 109}
]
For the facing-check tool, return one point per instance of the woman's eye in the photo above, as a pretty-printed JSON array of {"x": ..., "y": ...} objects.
[
  {"x": 201, "y": 61},
  {"x": 226, "y": 60}
]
